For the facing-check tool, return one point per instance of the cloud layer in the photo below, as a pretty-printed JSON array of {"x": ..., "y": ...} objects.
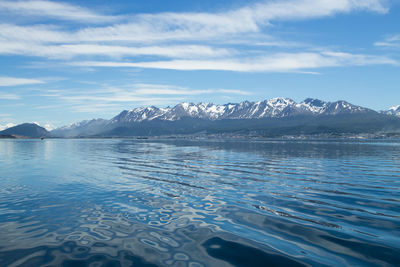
[
  {"x": 178, "y": 41},
  {"x": 280, "y": 62},
  {"x": 56, "y": 10},
  {"x": 12, "y": 81}
]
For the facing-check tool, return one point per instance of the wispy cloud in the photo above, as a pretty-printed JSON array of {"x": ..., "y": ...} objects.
[
  {"x": 200, "y": 26},
  {"x": 184, "y": 26},
  {"x": 172, "y": 35},
  {"x": 280, "y": 62},
  {"x": 94, "y": 107},
  {"x": 233, "y": 91},
  {"x": 161, "y": 89},
  {"x": 130, "y": 95},
  {"x": 306, "y": 9},
  {"x": 9, "y": 96},
  {"x": 113, "y": 51},
  {"x": 47, "y": 126},
  {"x": 138, "y": 93},
  {"x": 52, "y": 9},
  {"x": 5, "y": 126},
  {"x": 390, "y": 42},
  {"x": 12, "y": 81}
]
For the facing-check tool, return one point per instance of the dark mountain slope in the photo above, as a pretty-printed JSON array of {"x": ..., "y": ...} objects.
[
  {"x": 26, "y": 130},
  {"x": 356, "y": 123}
]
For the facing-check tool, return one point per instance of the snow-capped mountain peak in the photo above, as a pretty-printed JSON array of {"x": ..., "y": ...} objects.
[
  {"x": 275, "y": 107},
  {"x": 280, "y": 101},
  {"x": 395, "y": 108},
  {"x": 393, "y": 111},
  {"x": 314, "y": 106},
  {"x": 272, "y": 108}
]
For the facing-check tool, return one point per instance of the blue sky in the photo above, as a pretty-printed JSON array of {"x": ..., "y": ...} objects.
[{"x": 66, "y": 61}]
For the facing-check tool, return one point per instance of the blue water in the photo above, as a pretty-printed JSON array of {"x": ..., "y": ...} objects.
[{"x": 199, "y": 203}]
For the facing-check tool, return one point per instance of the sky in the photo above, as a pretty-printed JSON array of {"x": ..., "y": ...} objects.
[{"x": 67, "y": 61}]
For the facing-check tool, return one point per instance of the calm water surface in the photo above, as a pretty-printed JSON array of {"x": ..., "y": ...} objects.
[{"x": 199, "y": 203}]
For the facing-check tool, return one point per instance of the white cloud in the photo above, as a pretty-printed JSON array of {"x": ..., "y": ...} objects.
[
  {"x": 94, "y": 107},
  {"x": 161, "y": 27},
  {"x": 57, "y": 10},
  {"x": 141, "y": 93},
  {"x": 233, "y": 91},
  {"x": 347, "y": 59},
  {"x": 9, "y": 96},
  {"x": 51, "y": 42},
  {"x": 171, "y": 90},
  {"x": 169, "y": 51},
  {"x": 307, "y": 9},
  {"x": 280, "y": 62},
  {"x": 195, "y": 26},
  {"x": 110, "y": 99},
  {"x": 176, "y": 36},
  {"x": 250, "y": 16},
  {"x": 114, "y": 51},
  {"x": 47, "y": 126},
  {"x": 390, "y": 42},
  {"x": 199, "y": 26},
  {"x": 33, "y": 34},
  {"x": 12, "y": 81},
  {"x": 6, "y": 126}
]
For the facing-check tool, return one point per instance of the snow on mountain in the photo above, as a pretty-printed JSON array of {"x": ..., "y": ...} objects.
[
  {"x": 272, "y": 108},
  {"x": 138, "y": 114},
  {"x": 393, "y": 111},
  {"x": 200, "y": 110},
  {"x": 313, "y": 106}
]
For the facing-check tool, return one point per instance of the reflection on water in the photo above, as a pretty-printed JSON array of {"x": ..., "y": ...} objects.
[{"x": 199, "y": 203}]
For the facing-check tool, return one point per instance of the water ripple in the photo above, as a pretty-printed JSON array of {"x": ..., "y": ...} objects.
[{"x": 199, "y": 203}]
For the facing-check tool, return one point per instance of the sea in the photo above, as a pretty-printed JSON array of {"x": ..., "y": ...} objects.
[{"x": 177, "y": 202}]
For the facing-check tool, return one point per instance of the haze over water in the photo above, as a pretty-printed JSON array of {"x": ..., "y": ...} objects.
[{"x": 199, "y": 203}]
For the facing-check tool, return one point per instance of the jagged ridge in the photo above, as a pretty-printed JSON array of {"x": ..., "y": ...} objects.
[{"x": 273, "y": 108}]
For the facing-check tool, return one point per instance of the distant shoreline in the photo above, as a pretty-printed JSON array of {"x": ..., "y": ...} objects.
[{"x": 383, "y": 136}]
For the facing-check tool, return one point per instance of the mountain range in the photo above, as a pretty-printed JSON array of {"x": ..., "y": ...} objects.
[{"x": 274, "y": 117}]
